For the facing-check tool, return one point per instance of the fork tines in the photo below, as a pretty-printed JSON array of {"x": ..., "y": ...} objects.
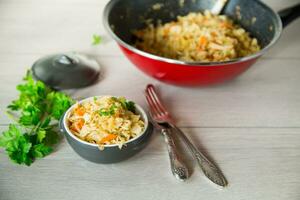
[{"x": 154, "y": 102}]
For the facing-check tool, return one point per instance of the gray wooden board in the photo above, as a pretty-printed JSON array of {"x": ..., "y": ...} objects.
[
  {"x": 249, "y": 126},
  {"x": 267, "y": 95},
  {"x": 260, "y": 163}
]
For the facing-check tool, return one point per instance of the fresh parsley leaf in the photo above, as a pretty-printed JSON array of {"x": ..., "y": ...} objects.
[
  {"x": 37, "y": 105},
  {"x": 17, "y": 145},
  {"x": 30, "y": 115},
  {"x": 11, "y": 134},
  {"x": 97, "y": 39},
  {"x": 122, "y": 100},
  {"x": 13, "y": 106},
  {"x": 128, "y": 105},
  {"x": 59, "y": 103},
  {"x": 41, "y": 150},
  {"x": 40, "y": 135}
]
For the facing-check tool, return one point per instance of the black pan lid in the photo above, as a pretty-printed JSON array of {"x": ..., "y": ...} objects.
[{"x": 66, "y": 70}]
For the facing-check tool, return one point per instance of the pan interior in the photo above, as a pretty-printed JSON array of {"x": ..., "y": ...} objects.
[{"x": 124, "y": 16}]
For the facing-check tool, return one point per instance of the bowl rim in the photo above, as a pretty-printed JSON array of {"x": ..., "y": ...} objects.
[
  {"x": 67, "y": 130},
  {"x": 278, "y": 30}
]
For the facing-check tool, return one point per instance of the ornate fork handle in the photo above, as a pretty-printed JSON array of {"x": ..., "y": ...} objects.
[
  {"x": 179, "y": 170},
  {"x": 208, "y": 168}
]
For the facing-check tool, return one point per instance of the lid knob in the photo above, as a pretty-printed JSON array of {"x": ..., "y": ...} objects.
[
  {"x": 66, "y": 60},
  {"x": 66, "y": 71}
]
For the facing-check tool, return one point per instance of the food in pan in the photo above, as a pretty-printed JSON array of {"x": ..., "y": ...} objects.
[
  {"x": 201, "y": 37},
  {"x": 105, "y": 121}
]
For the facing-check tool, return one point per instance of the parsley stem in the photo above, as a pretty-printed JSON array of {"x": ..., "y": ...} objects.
[
  {"x": 35, "y": 128},
  {"x": 38, "y": 126}
]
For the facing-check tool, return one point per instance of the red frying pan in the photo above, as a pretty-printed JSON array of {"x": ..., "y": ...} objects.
[{"x": 122, "y": 16}]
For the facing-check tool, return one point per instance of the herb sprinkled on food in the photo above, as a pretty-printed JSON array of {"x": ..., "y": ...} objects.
[
  {"x": 106, "y": 120},
  {"x": 128, "y": 105},
  {"x": 109, "y": 112}
]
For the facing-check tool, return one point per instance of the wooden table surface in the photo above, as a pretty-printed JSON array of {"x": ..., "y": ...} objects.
[{"x": 250, "y": 126}]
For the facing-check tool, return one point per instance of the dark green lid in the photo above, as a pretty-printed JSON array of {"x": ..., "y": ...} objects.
[{"x": 66, "y": 71}]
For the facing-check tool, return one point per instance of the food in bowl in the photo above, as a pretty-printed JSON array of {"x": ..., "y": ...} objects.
[
  {"x": 105, "y": 120},
  {"x": 199, "y": 36}
]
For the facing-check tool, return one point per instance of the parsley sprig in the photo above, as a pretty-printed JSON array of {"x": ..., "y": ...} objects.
[
  {"x": 127, "y": 105},
  {"x": 33, "y": 135}
]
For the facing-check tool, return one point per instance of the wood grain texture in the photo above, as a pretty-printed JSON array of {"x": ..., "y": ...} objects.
[
  {"x": 250, "y": 126},
  {"x": 69, "y": 26},
  {"x": 259, "y": 164},
  {"x": 267, "y": 95}
]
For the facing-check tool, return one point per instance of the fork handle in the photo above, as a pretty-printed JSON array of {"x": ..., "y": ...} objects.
[
  {"x": 179, "y": 169},
  {"x": 209, "y": 169}
]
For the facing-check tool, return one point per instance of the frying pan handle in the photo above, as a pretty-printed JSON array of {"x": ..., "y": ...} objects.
[{"x": 289, "y": 14}]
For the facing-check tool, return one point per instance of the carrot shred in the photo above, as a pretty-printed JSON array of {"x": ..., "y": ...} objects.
[
  {"x": 202, "y": 43},
  {"x": 202, "y": 40},
  {"x": 214, "y": 34},
  {"x": 108, "y": 138},
  {"x": 79, "y": 111},
  {"x": 79, "y": 124},
  {"x": 225, "y": 25}
]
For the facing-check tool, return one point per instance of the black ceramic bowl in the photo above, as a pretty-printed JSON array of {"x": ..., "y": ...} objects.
[{"x": 111, "y": 153}]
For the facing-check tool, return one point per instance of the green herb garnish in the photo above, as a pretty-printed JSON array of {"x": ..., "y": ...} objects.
[
  {"x": 109, "y": 112},
  {"x": 33, "y": 134},
  {"x": 128, "y": 105},
  {"x": 97, "y": 39}
]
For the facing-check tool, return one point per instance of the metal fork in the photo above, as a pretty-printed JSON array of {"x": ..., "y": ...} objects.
[
  {"x": 162, "y": 116},
  {"x": 178, "y": 168}
]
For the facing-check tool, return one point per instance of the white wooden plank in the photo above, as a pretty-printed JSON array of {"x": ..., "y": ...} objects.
[
  {"x": 259, "y": 164},
  {"x": 44, "y": 27},
  {"x": 265, "y": 96}
]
